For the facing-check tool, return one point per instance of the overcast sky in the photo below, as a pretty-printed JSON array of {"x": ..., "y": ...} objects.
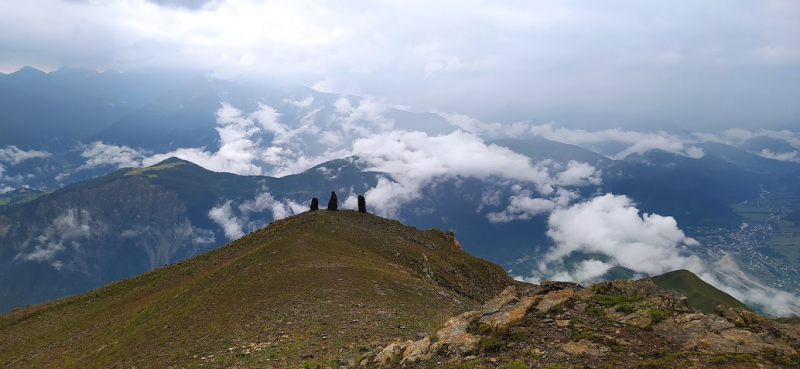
[{"x": 711, "y": 63}]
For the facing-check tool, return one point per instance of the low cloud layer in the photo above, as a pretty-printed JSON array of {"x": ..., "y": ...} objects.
[
  {"x": 250, "y": 215},
  {"x": 306, "y": 132},
  {"x": 224, "y": 217},
  {"x": 262, "y": 143},
  {"x": 611, "y": 225},
  {"x": 98, "y": 153},
  {"x": 636, "y": 142},
  {"x": 70, "y": 230},
  {"x": 648, "y": 244},
  {"x": 13, "y": 155},
  {"x": 738, "y": 136},
  {"x": 413, "y": 160},
  {"x": 269, "y": 141}
]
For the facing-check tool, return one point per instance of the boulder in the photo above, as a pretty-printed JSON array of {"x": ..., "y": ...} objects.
[
  {"x": 553, "y": 299},
  {"x": 583, "y": 347},
  {"x": 454, "y": 338}
]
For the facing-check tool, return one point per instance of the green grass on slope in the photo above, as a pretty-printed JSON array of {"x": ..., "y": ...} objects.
[
  {"x": 701, "y": 295},
  {"x": 789, "y": 320},
  {"x": 310, "y": 288}
]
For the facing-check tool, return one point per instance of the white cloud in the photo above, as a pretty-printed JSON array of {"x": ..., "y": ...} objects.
[
  {"x": 792, "y": 156},
  {"x": 236, "y": 154},
  {"x": 522, "y": 205},
  {"x": 203, "y": 236},
  {"x": 351, "y": 118},
  {"x": 738, "y": 136},
  {"x": 243, "y": 152},
  {"x": 268, "y": 118},
  {"x": 279, "y": 209},
  {"x": 412, "y": 160},
  {"x": 476, "y": 126},
  {"x": 14, "y": 155},
  {"x": 301, "y": 104},
  {"x": 611, "y": 225},
  {"x": 638, "y": 142},
  {"x": 237, "y": 151},
  {"x": 588, "y": 270},
  {"x": 695, "y": 152},
  {"x": 578, "y": 174},
  {"x": 42, "y": 253},
  {"x": 99, "y": 153},
  {"x": 73, "y": 224},
  {"x": 648, "y": 244},
  {"x": 233, "y": 224},
  {"x": 66, "y": 230},
  {"x": 223, "y": 216}
]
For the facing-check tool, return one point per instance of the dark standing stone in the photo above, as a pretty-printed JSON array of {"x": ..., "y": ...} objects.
[
  {"x": 333, "y": 203},
  {"x": 362, "y": 204},
  {"x": 314, "y": 204}
]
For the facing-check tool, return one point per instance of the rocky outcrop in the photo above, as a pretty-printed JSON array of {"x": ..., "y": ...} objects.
[
  {"x": 729, "y": 333},
  {"x": 625, "y": 323}
]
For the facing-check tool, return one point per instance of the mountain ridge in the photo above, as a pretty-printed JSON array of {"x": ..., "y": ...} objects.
[
  {"x": 330, "y": 278},
  {"x": 701, "y": 295},
  {"x": 347, "y": 289}
]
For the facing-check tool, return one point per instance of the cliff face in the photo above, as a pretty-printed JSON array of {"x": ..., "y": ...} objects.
[
  {"x": 81, "y": 239},
  {"x": 611, "y": 324}
]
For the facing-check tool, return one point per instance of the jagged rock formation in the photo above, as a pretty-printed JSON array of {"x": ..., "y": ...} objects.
[
  {"x": 333, "y": 202},
  {"x": 362, "y": 204},
  {"x": 619, "y": 323},
  {"x": 315, "y": 204}
]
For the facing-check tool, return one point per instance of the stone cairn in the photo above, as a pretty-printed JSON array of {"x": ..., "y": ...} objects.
[
  {"x": 362, "y": 204},
  {"x": 333, "y": 203}
]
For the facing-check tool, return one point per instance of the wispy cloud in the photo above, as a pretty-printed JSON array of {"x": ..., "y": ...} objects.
[
  {"x": 236, "y": 220},
  {"x": 793, "y": 156},
  {"x": 70, "y": 230},
  {"x": 412, "y": 160},
  {"x": 637, "y": 142},
  {"x": 98, "y": 154},
  {"x": 224, "y": 217},
  {"x": 13, "y": 155}
]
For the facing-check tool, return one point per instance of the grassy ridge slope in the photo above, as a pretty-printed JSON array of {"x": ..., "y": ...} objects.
[
  {"x": 319, "y": 286},
  {"x": 702, "y": 296}
]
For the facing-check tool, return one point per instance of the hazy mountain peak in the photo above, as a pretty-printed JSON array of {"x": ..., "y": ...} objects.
[{"x": 28, "y": 71}]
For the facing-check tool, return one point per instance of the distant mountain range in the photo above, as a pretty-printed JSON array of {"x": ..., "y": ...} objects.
[{"x": 132, "y": 220}]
